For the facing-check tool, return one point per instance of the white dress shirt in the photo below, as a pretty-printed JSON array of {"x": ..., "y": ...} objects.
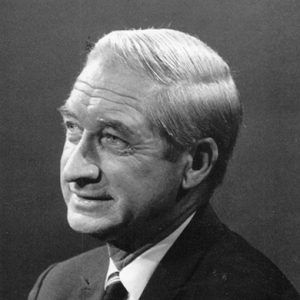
[{"x": 136, "y": 274}]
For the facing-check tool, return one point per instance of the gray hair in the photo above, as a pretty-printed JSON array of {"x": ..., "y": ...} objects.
[{"x": 196, "y": 96}]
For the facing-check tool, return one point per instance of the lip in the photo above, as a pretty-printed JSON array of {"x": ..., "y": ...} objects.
[
  {"x": 92, "y": 197},
  {"x": 89, "y": 204}
]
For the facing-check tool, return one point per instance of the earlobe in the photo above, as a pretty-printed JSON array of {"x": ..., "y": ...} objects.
[{"x": 200, "y": 162}]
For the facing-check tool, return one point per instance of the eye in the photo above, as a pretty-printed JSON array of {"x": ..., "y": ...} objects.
[
  {"x": 112, "y": 141},
  {"x": 71, "y": 126},
  {"x": 73, "y": 130}
]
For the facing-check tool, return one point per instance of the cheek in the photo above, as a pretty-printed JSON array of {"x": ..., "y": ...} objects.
[
  {"x": 130, "y": 177},
  {"x": 67, "y": 150},
  {"x": 126, "y": 170}
]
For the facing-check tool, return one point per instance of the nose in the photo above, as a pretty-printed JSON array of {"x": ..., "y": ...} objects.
[{"x": 81, "y": 166}]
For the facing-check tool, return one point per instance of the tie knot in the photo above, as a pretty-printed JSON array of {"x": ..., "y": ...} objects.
[
  {"x": 114, "y": 288},
  {"x": 113, "y": 278}
]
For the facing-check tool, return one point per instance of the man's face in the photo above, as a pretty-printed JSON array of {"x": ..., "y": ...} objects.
[{"x": 114, "y": 177}]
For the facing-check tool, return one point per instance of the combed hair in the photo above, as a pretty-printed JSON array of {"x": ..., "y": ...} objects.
[{"x": 195, "y": 95}]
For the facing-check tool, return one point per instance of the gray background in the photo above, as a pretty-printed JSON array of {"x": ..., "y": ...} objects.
[{"x": 42, "y": 51}]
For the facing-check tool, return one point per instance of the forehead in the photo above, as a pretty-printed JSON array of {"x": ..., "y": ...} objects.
[
  {"x": 116, "y": 77},
  {"x": 109, "y": 91}
]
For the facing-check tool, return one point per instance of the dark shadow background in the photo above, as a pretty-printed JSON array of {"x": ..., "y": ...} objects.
[{"x": 42, "y": 51}]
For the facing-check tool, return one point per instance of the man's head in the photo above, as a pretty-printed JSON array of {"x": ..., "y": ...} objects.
[{"x": 152, "y": 118}]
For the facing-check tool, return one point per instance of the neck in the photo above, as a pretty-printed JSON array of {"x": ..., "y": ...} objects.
[{"x": 124, "y": 250}]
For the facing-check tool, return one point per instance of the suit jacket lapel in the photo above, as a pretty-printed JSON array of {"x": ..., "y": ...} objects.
[
  {"x": 178, "y": 264},
  {"x": 93, "y": 276}
]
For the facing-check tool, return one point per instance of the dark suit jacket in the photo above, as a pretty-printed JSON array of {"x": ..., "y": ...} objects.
[{"x": 207, "y": 261}]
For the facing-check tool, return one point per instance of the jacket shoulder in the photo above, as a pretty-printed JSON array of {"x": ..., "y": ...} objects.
[
  {"x": 233, "y": 269},
  {"x": 60, "y": 280}
]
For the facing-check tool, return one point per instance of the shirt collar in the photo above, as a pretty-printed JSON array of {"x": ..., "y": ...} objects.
[{"x": 136, "y": 274}]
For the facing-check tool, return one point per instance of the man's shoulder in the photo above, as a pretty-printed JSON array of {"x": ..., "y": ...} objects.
[
  {"x": 233, "y": 251},
  {"x": 81, "y": 263},
  {"x": 216, "y": 263},
  {"x": 87, "y": 258},
  {"x": 59, "y": 279},
  {"x": 234, "y": 268}
]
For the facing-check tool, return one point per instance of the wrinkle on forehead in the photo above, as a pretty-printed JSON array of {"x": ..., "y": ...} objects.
[
  {"x": 97, "y": 94},
  {"x": 108, "y": 89}
]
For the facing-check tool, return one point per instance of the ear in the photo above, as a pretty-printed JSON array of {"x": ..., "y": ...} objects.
[{"x": 200, "y": 162}]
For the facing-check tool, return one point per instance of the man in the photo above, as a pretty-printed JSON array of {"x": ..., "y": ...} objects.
[{"x": 150, "y": 126}]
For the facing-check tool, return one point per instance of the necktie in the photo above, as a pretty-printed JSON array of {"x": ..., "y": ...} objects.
[{"x": 115, "y": 289}]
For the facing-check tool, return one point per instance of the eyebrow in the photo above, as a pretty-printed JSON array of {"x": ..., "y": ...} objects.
[{"x": 66, "y": 112}]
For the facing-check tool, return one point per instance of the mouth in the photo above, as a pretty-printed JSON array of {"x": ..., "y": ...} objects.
[
  {"x": 91, "y": 196},
  {"x": 87, "y": 197},
  {"x": 90, "y": 203}
]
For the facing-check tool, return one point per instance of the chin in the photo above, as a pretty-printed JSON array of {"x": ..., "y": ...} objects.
[{"x": 88, "y": 224}]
